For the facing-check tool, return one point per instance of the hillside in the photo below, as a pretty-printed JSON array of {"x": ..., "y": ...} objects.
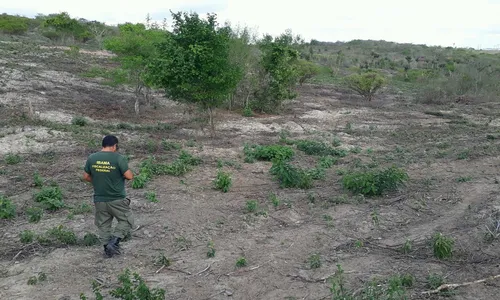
[{"x": 380, "y": 199}]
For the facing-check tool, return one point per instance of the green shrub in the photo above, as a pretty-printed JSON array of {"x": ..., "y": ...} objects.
[
  {"x": 290, "y": 176},
  {"x": 151, "y": 196},
  {"x": 319, "y": 148},
  {"x": 315, "y": 261},
  {"x": 50, "y": 197},
  {"x": 241, "y": 262},
  {"x": 247, "y": 112},
  {"x": 167, "y": 145},
  {"x": 90, "y": 239},
  {"x": 63, "y": 235},
  {"x": 12, "y": 159},
  {"x": 27, "y": 236},
  {"x": 211, "y": 249},
  {"x": 140, "y": 181},
  {"x": 34, "y": 214},
  {"x": 223, "y": 181},
  {"x": 374, "y": 182},
  {"x": 7, "y": 208},
  {"x": 267, "y": 153},
  {"x": 251, "y": 206},
  {"x": 83, "y": 208},
  {"x": 442, "y": 246},
  {"x": 79, "y": 121},
  {"x": 37, "y": 179},
  {"x": 326, "y": 162},
  {"x": 132, "y": 287},
  {"x": 365, "y": 84}
]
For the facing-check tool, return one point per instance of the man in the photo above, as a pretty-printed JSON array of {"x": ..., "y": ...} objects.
[{"x": 107, "y": 171}]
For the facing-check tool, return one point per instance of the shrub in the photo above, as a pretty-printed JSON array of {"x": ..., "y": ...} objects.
[
  {"x": 442, "y": 245},
  {"x": 211, "y": 249},
  {"x": 241, "y": 262},
  {"x": 13, "y": 24},
  {"x": 7, "y": 208},
  {"x": 140, "y": 181},
  {"x": 251, "y": 206},
  {"x": 223, "y": 181},
  {"x": 374, "y": 182},
  {"x": 63, "y": 235},
  {"x": 79, "y": 121},
  {"x": 319, "y": 148},
  {"x": 12, "y": 159},
  {"x": 34, "y": 214},
  {"x": 167, "y": 145},
  {"x": 50, "y": 197},
  {"x": 27, "y": 236},
  {"x": 365, "y": 84},
  {"x": 90, "y": 239},
  {"x": 315, "y": 261},
  {"x": 132, "y": 286},
  {"x": 37, "y": 180},
  {"x": 151, "y": 196},
  {"x": 267, "y": 153},
  {"x": 290, "y": 176}
]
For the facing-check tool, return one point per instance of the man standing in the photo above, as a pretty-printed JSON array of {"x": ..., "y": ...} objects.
[{"x": 107, "y": 171}]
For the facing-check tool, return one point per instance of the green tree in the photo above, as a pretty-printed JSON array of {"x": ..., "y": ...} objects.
[
  {"x": 134, "y": 47},
  {"x": 279, "y": 62},
  {"x": 63, "y": 26},
  {"x": 366, "y": 84},
  {"x": 13, "y": 24},
  {"x": 306, "y": 70},
  {"x": 193, "y": 64}
]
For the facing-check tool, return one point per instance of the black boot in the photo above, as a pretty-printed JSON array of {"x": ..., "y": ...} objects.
[{"x": 113, "y": 247}]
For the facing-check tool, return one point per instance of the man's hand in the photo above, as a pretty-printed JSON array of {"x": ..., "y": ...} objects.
[
  {"x": 87, "y": 177},
  {"x": 128, "y": 175}
]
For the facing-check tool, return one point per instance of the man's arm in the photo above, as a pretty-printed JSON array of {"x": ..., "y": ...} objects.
[
  {"x": 87, "y": 177},
  {"x": 128, "y": 175}
]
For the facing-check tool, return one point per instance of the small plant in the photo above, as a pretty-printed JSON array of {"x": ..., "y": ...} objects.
[
  {"x": 223, "y": 181},
  {"x": 374, "y": 182},
  {"x": 79, "y": 121},
  {"x": 251, "y": 206},
  {"x": 407, "y": 247},
  {"x": 26, "y": 236},
  {"x": 211, "y": 249},
  {"x": 90, "y": 239},
  {"x": 290, "y": 176},
  {"x": 7, "y": 208},
  {"x": 434, "y": 281},
  {"x": 33, "y": 280},
  {"x": 50, "y": 197},
  {"x": 12, "y": 159},
  {"x": 326, "y": 162},
  {"x": 140, "y": 181},
  {"x": 151, "y": 196},
  {"x": 442, "y": 245},
  {"x": 463, "y": 154},
  {"x": 464, "y": 179},
  {"x": 375, "y": 218},
  {"x": 83, "y": 208},
  {"x": 162, "y": 261},
  {"x": 37, "y": 179},
  {"x": 407, "y": 280},
  {"x": 63, "y": 235},
  {"x": 241, "y": 262},
  {"x": 167, "y": 145},
  {"x": 274, "y": 200},
  {"x": 319, "y": 148},
  {"x": 356, "y": 150},
  {"x": 358, "y": 244},
  {"x": 34, "y": 214},
  {"x": 336, "y": 142},
  {"x": 247, "y": 112},
  {"x": 314, "y": 261},
  {"x": 267, "y": 153}
]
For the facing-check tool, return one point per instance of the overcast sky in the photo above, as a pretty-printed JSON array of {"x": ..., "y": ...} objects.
[{"x": 465, "y": 23}]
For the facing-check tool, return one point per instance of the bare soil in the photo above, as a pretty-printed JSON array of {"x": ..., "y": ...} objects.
[{"x": 437, "y": 145}]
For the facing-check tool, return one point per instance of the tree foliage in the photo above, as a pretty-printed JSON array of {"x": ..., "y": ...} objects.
[
  {"x": 193, "y": 65},
  {"x": 366, "y": 84},
  {"x": 63, "y": 26},
  {"x": 13, "y": 24}
]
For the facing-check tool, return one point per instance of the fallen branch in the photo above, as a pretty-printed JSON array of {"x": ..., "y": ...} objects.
[
  {"x": 450, "y": 286},
  {"x": 204, "y": 270}
]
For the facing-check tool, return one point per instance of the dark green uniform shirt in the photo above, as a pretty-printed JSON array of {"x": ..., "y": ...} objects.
[{"x": 106, "y": 170}]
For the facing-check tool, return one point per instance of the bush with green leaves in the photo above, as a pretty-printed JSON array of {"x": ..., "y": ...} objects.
[
  {"x": 62, "y": 235},
  {"x": 50, "y": 197},
  {"x": 365, "y": 84},
  {"x": 374, "y": 182},
  {"x": 12, "y": 159},
  {"x": 79, "y": 121},
  {"x": 90, "y": 239},
  {"x": 13, "y": 24},
  {"x": 37, "y": 179},
  {"x": 290, "y": 176},
  {"x": 223, "y": 181},
  {"x": 442, "y": 246},
  {"x": 34, "y": 214},
  {"x": 151, "y": 196},
  {"x": 26, "y": 236},
  {"x": 319, "y": 148},
  {"x": 267, "y": 153},
  {"x": 7, "y": 208},
  {"x": 132, "y": 287}
]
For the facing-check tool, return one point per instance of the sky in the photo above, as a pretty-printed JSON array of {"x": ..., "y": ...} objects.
[{"x": 465, "y": 23}]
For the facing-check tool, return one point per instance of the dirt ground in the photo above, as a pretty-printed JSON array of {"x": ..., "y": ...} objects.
[{"x": 453, "y": 189}]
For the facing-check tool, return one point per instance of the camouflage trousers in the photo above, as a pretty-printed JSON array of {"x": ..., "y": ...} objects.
[{"x": 104, "y": 214}]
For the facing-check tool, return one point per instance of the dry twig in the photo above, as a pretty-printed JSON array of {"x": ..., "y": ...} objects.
[{"x": 450, "y": 286}]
